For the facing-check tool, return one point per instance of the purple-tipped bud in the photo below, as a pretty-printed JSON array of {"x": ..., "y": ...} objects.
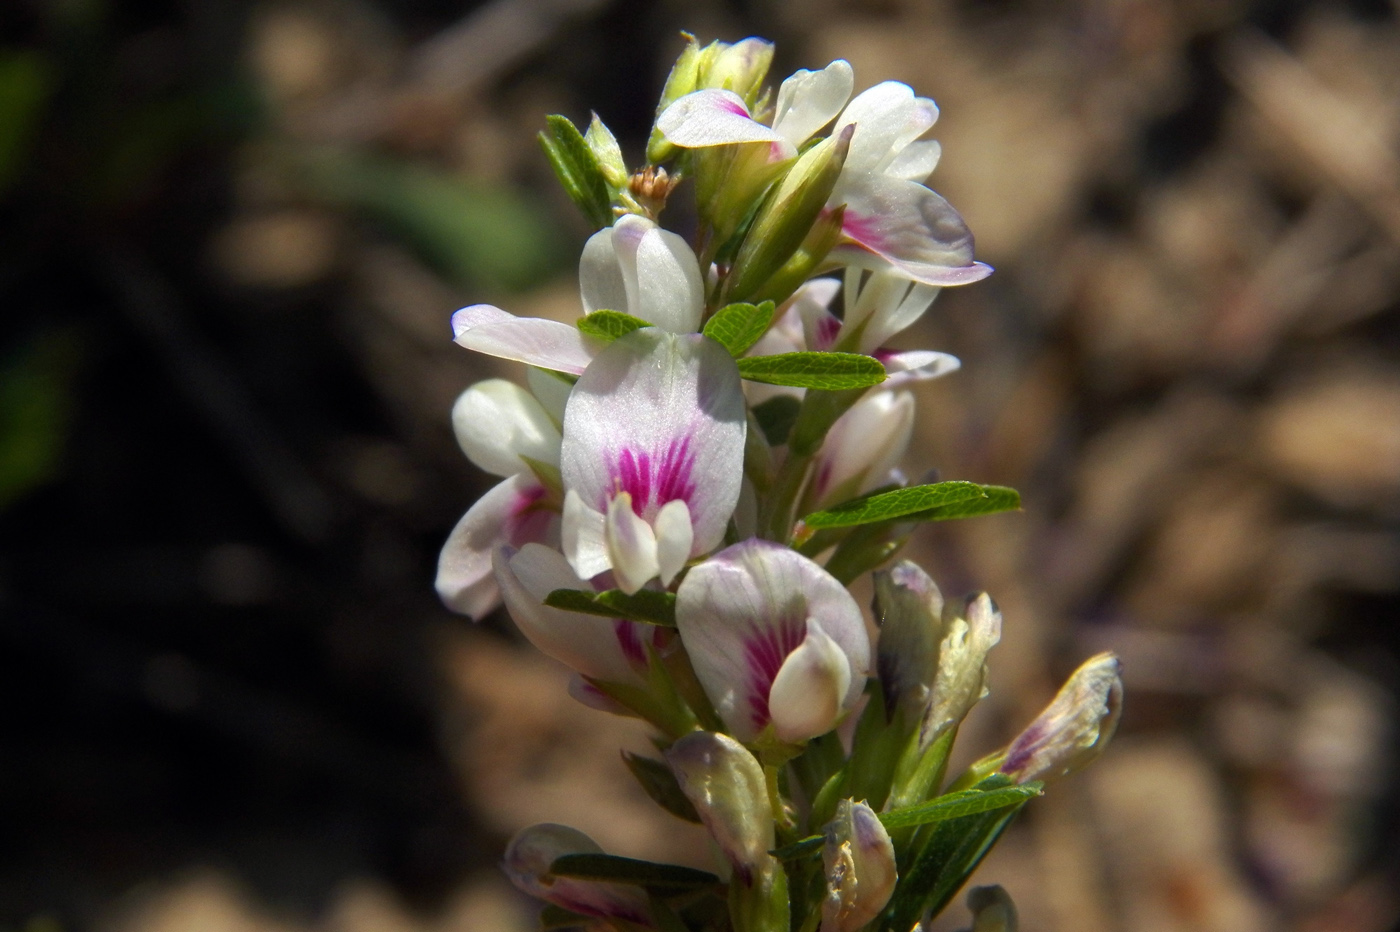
[
  {"x": 860, "y": 868},
  {"x": 533, "y": 850},
  {"x": 992, "y": 910},
  {"x": 1074, "y": 728},
  {"x": 909, "y": 608},
  {"x": 962, "y": 665},
  {"x": 725, "y": 784}
]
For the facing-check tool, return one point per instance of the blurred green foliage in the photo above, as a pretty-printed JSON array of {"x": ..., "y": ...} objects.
[{"x": 36, "y": 401}]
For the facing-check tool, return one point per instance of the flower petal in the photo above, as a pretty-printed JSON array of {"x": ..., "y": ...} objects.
[
  {"x": 498, "y": 422},
  {"x": 640, "y": 269},
  {"x": 533, "y": 850},
  {"x": 806, "y": 697},
  {"x": 862, "y": 446},
  {"x": 883, "y": 116},
  {"x": 631, "y": 545},
  {"x": 510, "y": 513},
  {"x": 712, "y": 118},
  {"x": 581, "y": 533},
  {"x": 674, "y": 537},
  {"x": 915, "y": 365},
  {"x": 533, "y": 340},
  {"x": 601, "y": 648},
  {"x": 808, "y": 100},
  {"x": 661, "y": 417},
  {"x": 917, "y": 160},
  {"x": 744, "y": 610},
  {"x": 893, "y": 223}
]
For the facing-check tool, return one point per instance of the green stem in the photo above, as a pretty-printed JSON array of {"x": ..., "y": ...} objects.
[{"x": 775, "y": 517}]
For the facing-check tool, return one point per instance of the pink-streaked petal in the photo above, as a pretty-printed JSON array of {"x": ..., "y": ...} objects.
[
  {"x": 819, "y": 325},
  {"x": 527, "y": 861},
  {"x": 808, "y": 100},
  {"x": 532, "y": 340},
  {"x": 631, "y": 545},
  {"x": 916, "y": 161},
  {"x": 744, "y": 610},
  {"x": 712, "y": 118},
  {"x": 581, "y": 534},
  {"x": 498, "y": 422},
  {"x": 586, "y": 643},
  {"x": 675, "y": 535},
  {"x": 806, "y": 697},
  {"x": 661, "y": 417},
  {"x": 915, "y": 365},
  {"x": 514, "y": 513},
  {"x": 895, "y": 224}
]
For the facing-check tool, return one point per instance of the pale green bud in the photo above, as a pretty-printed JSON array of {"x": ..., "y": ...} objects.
[
  {"x": 725, "y": 783},
  {"x": 803, "y": 264},
  {"x": 860, "y": 868},
  {"x": 740, "y": 67},
  {"x": 962, "y": 665},
  {"x": 787, "y": 215},
  {"x": 1074, "y": 728},
  {"x": 909, "y": 608},
  {"x": 681, "y": 81},
  {"x": 609, "y": 154}
]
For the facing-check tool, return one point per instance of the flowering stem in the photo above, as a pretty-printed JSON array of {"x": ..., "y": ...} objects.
[{"x": 775, "y": 515}]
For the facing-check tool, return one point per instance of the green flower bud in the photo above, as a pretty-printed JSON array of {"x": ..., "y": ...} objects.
[
  {"x": 726, "y": 785},
  {"x": 609, "y": 154},
  {"x": 681, "y": 81},
  {"x": 962, "y": 665},
  {"x": 740, "y": 67},
  {"x": 910, "y": 611},
  {"x": 787, "y": 215},
  {"x": 803, "y": 264}
]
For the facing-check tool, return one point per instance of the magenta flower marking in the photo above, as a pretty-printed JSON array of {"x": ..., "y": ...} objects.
[
  {"x": 528, "y": 518},
  {"x": 863, "y": 230},
  {"x": 652, "y": 481},
  {"x": 765, "y": 651}
]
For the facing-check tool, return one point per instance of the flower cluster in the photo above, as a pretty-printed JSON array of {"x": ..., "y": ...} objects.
[{"x": 698, "y": 470}]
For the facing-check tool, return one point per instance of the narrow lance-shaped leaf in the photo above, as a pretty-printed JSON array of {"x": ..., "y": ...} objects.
[
  {"x": 828, "y": 371},
  {"x": 916, "y": 503},
  {"x": 738, "y": 326},
  {"x": 957, "y": 805},
  {"x": 577, "y": 168},
  {"x": 615, "y": 869},
  {"x": 650, "y": 606},
  {"x": 660, "y": 784},
  {"x": 997, "y": 498},
  {"x": 609, "y": 325}
]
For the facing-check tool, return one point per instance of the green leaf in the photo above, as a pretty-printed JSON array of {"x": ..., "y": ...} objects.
[
  {"x": 916, "y": 503},
  {"x": 739, "y": 326},
  {"x": 577, "y": 169},
  {"x": 648, "y": 605},
  {"x": 997, "y": 498},
  {"x": 609, "y": 325},
  {"x": 957, "y": 805},
  {"x": 776, "y": 417},
  {"x": 828, "y": 371},
  {"x": 951, "y": 853},
  {"x": 660, "y": 784},
  {"x": 799, "y": 849},
  {"x": 615, "y": 869}
]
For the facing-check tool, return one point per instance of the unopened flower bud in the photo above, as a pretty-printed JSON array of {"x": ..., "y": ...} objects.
[
  {"x": 1074, "y": 728},
  {"x": 740, "y": 67},
  {"x": 725, "y": 784},
  {"x": 787, "y": 215},
  {"x": 909, "y": 608},
  {"x": 527, "y": 863},
  {"x": 608, "y": 153},
  {"x": 992, "y": 910},
  {"x": 860, "y": 868},
  {"x": 962, "y": 666}
]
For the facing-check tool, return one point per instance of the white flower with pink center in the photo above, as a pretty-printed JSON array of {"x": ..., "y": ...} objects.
[
  {"x": 775, "y": 640},
  {"x": 652, "y": 457}
]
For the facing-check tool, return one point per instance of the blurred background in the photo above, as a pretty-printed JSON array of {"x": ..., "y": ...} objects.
[{"x": 232, "y": 236}]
